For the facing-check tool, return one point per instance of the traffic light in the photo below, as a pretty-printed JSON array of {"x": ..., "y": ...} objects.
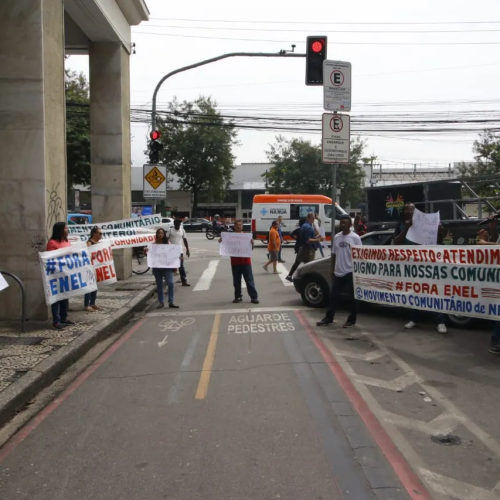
[
  {"x": 154, "y": 147},
  {"x": 315, "y": 55}
]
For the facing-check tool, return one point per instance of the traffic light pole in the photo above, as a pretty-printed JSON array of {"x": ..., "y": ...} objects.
[
  {"x": 281, "y": 53},
  {"x": 334, "y": 196}
]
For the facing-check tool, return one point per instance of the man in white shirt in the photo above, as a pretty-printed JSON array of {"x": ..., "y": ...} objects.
[
  {"x": 177, "y": 236},
  {"x": 342, "y": 270}
]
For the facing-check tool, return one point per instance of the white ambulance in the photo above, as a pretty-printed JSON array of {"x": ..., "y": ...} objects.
[{"x": 292, "y": 207}]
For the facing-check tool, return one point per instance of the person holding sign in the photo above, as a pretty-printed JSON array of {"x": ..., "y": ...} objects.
[
  {"x": 59, "y": 239},
  {"x": 161, "y": 273},
  {"x": 90, "y": 298},
  {"x": 242, "y": 267},
  {"x": 400, "y": 238}
]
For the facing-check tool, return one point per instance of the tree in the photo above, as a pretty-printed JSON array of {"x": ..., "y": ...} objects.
[
  {"x": 198, "y": 147},
  {"x": 77, "y": 129},
  {"x": 487, "y": 156},
  {"x": 298, "y": 169}
]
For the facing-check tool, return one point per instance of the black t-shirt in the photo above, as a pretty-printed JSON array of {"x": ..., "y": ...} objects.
[{"x": 399, "y": 229}]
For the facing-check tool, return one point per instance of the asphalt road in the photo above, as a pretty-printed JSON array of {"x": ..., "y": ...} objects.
[{"x": 241, "y": 401}]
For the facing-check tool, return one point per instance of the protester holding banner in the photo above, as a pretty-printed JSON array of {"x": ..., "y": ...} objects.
[
  {"x": 90, "y": 298},
  {"x": 161, "y": 273},
  {"x": 400, "y": 238},
  {"x": 483, "y": 239},
  {"x": 177, "y": 236},
  {"x": 241, "y": 266},
  {"x": 59, "y": 239}
]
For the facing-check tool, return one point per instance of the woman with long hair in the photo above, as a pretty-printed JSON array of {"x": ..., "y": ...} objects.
[
  {"x": 59, "y": 239},
  {"x": 90, "y": 298},
  {"x": 161, "y": 273}
]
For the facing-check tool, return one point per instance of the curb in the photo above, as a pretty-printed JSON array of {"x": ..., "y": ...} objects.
[{"x": 17, "y": 394}]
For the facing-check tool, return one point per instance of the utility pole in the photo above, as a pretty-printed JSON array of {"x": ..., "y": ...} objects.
[{"x": 334, "y": 197}]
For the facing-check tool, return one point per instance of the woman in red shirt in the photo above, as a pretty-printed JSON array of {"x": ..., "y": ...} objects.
[{"x": 59, "y": 239}]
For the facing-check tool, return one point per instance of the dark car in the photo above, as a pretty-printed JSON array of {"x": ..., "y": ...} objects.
[
  {"x": 312, "y": 280},
  {"x": 196, "y": 224}
]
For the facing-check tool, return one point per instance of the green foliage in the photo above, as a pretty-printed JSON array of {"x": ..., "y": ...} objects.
[
  {"x": 198, "y": 147},
  {"x": 298, "y": 169},
  {"x": 487, "y": 156},
  {"x": 77, "y": 129}
]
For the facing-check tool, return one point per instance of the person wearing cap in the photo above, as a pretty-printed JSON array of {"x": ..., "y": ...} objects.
[{"x": 342, "y": 272}]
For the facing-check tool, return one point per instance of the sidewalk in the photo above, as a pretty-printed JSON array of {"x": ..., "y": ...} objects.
[{"x": 32, "y": 360}]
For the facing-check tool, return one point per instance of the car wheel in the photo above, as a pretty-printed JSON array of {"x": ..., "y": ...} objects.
[
  {"x": 460, "y": 321},
  {"x": 315, "y": 291}
]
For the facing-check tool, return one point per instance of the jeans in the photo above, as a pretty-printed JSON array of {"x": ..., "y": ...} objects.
[
  {"x": 244, "y": 270},
  {"x": 160, "y": 274},
  {"x": 321, "y": 251},
  {"x": 338, "y": 285},
  {"x": 60, "y": 311},
  {"x": 416, "y": 313},
  {"x": 182, "y": 270},
  {"x": 89, "y": 299},
  {"x": 495, "y": 336},
  {"x": 295, "y": 265}
]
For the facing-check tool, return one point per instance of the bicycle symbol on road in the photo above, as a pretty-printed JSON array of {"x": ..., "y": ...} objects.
[{"x": 170, "y": 325}]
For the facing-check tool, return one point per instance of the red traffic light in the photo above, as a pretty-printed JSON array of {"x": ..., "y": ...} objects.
[
  {"x": 155, "y": 135},
  {"x": 317, "y": 46}
]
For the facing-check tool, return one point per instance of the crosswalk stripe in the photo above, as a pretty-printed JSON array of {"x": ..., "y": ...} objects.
[
  {"x": 206, "y": 278},
  {"x": 283, "y": 274}
]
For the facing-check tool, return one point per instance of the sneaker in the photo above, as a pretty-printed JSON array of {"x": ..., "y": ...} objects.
[
  {"x": 494, "y": 349},
  {"x": 442, "y": 328},
  {"x": 265, "y": 269},
  {"x": 90, "y": 309},
  {"x": 281, "y": 261},
  {"x": 67, "y": 322},
  {"x": 173, "y": 306},
  {"x": 255, "y": 301},
  {"x": 324, "y": 322},
  {"x": 185, "y": 283},
  {"x": 58, "y": 326},
  {"x": 349, "y": 324},
  {"x": 410, "y": 325},
  {"x": 237, "y": 299},
  {"x": 289, "y": 278},
  {"x": 96, "y": 308}
]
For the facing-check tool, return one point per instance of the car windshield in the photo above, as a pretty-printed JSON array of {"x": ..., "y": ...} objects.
[{"x": 338, "y": 212}]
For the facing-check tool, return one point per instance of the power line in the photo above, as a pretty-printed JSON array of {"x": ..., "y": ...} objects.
[
  {"x": 322, "y": 22},
  {"x": 274, "y": 30},
  {"x": 303, "y": 42}
]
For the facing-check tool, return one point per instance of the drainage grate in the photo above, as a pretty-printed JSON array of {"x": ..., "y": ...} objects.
[{"x": 446, "y": 440}]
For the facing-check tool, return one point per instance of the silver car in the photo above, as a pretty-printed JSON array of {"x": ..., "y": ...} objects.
[{"x": 313, "y": 280}]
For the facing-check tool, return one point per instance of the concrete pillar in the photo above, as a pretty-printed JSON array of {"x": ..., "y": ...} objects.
[
  {"x": 32, "y": 143},
  {"x": 110, "y": 140}
]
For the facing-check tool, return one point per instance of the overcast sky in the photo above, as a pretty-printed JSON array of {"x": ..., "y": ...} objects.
[{"x": 444, "y": 77}]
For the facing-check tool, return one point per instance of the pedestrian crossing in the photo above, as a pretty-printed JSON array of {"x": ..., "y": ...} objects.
[{"x": 206, "y": 280}]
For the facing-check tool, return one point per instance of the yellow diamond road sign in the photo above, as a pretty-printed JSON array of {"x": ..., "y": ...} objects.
[
  {"x": 155, "y": 178},
  {"x": 155, "y": 181}
]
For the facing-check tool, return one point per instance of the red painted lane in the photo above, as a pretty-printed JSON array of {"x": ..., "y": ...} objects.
[
  {"x": 405, "y": 473},
  {"x": 22, "y": 434}
]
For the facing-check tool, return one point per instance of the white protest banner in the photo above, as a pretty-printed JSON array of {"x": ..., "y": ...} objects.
[
  {"x": 462, "y": 280},
  {"x": 236, "y": 245},
  {"x": 164, "y": 256},
  {"x": 67, "y": 272},
  {"x": 424, "y": 228},
  {"x": 3, "y": 283},
  {"x": 101, "y": 256},
  {"x": 122, "y": 234}
]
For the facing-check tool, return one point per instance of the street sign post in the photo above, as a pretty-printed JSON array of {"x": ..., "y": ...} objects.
[
  {"x": 155, "y": 181},
  {"x": 336, "y": 138},
  {"x": 337, "y": 85}
]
